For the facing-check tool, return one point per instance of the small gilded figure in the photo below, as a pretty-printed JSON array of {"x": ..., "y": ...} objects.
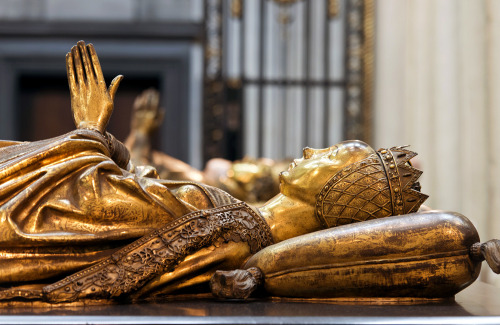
[{"x": 251, "y": 180}]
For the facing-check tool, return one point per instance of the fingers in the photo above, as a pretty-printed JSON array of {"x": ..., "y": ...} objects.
[
  {"x": 148, "y": 100},
  {"x": 78, "y": 66},
  {"x": 96, "y": 66},
  {"x": 86, "y": 61},
  {"x": 114, "y": 86},
  {"x": 153, "y": 99},
  {"x": 138, "y": 103},
  {"x": 70, "y": 70}
]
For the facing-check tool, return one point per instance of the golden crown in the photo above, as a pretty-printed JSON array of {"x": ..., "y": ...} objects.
[{"x": 381, "y": 185}]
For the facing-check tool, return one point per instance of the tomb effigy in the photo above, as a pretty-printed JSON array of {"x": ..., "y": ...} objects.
[{"x": 79, "y": 222}]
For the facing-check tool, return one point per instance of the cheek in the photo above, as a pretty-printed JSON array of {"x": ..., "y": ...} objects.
[
  {"x": 288, "y": 182},
  {"x": 309, "y": 170},
  {"x": 309, "y": 174}
]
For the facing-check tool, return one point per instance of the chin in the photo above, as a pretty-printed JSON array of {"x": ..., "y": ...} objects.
[{"x": 281, "y": 178}]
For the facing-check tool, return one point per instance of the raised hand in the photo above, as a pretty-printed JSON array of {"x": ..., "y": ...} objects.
[
  {"x": 91, "y": 101},
  {"x": 147, "y": 114}
]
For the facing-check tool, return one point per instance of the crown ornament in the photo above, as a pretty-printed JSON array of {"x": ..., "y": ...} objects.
[{"x": 381, "y": 185}]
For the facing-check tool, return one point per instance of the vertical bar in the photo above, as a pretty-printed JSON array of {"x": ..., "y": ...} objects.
[
  {"x": 284, "y": 102},
  {"x": 347, "y": 10},
  {"x": 223, "y": 38},
  {"x": 243, "y": 87},
  {"x": 213, "y": 91},
  {"x": 242, "y": 44},
  {"x": 307, "y": 46},
  {"x": 261, "y": 77},
  {"x": 326, "y": 58},
  {"x": 368, "y": 67},
  {"x": 204, "y": 111}
]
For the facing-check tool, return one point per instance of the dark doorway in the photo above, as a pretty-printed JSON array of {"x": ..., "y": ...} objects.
[{"x": 44, "y": 106}]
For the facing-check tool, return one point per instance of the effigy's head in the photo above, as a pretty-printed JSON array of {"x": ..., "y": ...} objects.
[{"x": 351, "y": 182}]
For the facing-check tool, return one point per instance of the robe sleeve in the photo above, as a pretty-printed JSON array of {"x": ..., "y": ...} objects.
[{"x": 70, "y": 190}]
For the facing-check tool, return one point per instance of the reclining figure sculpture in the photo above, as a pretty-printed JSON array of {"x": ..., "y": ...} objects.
[
  {"x": 251, "y": 180},
  {"x": 78, "y": 223}
]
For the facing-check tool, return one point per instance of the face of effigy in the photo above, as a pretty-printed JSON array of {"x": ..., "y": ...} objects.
[{"x": 306, "y": 176}]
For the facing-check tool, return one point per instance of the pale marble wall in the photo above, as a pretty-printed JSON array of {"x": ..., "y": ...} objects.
[{"x": 437, "y": 88}]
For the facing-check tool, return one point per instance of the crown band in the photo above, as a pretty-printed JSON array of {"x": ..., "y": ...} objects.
[{"x": 392, "y": 173}]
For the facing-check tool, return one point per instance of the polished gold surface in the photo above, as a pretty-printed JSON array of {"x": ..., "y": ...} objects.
[
  {"x": 423, "y": 255},
  {"x": 251, "y": 180},
  {"x": 147, "y": 116},
  {"x": 79, "y": 222},
  {"x": 368, "y": 50},
  {"x": 380, "y": 185},
  {"x": 65, "y": 204},
  {"x": 91, "y": 102}
]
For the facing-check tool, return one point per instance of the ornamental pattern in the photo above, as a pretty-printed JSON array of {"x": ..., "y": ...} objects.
[
  {"x": 358, "y": 192},
  {"x": 161, "y": 251}
]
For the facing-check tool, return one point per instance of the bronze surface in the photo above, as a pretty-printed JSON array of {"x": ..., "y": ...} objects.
[
  {"x": 250, "y": 180},
  {"x": 79, "y": 222}
]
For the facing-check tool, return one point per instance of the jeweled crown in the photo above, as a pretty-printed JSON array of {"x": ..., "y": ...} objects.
[{"x": 381, "y": 185}]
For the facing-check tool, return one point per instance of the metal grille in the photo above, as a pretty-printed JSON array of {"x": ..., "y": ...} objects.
[{"x": 284, "y": 74}]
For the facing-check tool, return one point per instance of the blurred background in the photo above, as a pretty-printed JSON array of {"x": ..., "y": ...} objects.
[{"x": 265, "y": 78}]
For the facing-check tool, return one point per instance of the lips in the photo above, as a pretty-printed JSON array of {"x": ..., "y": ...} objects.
[{"x": 292, "y": 165}]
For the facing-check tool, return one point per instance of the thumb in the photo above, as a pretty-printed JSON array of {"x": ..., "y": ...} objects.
[{"x": 113, "y": 87}]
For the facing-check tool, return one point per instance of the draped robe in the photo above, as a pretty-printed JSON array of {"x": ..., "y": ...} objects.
[{"x": 65, "y": 204}]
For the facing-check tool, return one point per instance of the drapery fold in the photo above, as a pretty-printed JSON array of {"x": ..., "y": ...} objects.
[{"x": 65, "y": 204}]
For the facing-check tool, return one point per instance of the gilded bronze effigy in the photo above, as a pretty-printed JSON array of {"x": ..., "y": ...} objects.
[
  {"x": 251, "y": 180},
  {"x": 79, "y": 222}
]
